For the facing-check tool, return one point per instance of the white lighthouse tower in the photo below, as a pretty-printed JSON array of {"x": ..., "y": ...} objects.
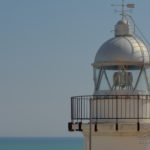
[{"x": 117, "y": 115}]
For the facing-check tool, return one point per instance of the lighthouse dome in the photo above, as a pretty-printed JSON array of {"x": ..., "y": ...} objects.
[
  {"x": 122, "y": 49},
  {"x": 125, "y": 48}
]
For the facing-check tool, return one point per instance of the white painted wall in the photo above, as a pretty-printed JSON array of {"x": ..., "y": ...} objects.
[{"x": 117, "y": 143}]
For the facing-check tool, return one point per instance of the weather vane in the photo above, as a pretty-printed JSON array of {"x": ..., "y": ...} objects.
[{"x": 123, "y": 6}]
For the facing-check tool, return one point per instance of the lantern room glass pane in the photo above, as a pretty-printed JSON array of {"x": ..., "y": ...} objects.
[
  {"x": 143, "y": 83},
  {"x": 104, "y": 84},
  {"x": 96, "y": 74},
  {"x": 121, "y": 78}
]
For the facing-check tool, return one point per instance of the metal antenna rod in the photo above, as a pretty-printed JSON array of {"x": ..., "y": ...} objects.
[{"x": 123, "y": 10}]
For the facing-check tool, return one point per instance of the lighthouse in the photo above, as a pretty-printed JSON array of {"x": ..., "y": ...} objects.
[{"x": 117, "y": 115}]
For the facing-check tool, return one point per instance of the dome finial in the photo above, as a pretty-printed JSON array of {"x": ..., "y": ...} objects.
[
  {"x": 123, "y": 10},
  {"x": 123, "y": 6}
]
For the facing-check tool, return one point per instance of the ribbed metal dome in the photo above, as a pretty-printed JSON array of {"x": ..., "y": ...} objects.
[{"x": 122, "y": 50}]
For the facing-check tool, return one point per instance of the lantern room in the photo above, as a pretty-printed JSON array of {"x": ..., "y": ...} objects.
[{"x": 122, "y": 64}]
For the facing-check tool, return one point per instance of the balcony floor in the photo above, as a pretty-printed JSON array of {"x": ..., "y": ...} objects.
[{"x": 110, "y": 129}]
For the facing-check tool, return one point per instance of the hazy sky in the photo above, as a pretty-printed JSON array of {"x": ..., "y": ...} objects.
[{"x": 46, "y": 51}]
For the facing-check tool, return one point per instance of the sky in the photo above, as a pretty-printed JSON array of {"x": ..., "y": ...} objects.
[{"x": 46, "y": 51}]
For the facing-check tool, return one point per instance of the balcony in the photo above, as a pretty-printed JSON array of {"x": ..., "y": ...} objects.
[{"x": 110, "y": 108}]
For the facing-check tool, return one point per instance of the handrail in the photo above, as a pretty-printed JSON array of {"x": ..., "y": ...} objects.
[{"x": 106, "y": 107}]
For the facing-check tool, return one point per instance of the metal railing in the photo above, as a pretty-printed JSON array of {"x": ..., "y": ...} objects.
[{"x": 106, "y": 107}]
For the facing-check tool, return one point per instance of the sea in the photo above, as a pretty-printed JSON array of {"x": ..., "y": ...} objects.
[{"x": 56, "y": 143}]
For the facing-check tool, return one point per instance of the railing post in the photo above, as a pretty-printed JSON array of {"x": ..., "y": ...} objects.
[
  {"x": 90, "y": 134},
  {"x": 81, "y": 109},
  {"x": 117, "y": 113},
  {"x": 96, "y": 99},
  {"x": 77, "y": 109},
  {"x": 138, "y": 109},
  {"x": 72, "y": 110}
]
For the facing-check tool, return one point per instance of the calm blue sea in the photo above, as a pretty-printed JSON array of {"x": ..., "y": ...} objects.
[{"x": 41, "y": 143}]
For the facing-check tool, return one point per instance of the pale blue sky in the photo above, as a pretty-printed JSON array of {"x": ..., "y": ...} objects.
[{"x": 46, "y": 51}]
